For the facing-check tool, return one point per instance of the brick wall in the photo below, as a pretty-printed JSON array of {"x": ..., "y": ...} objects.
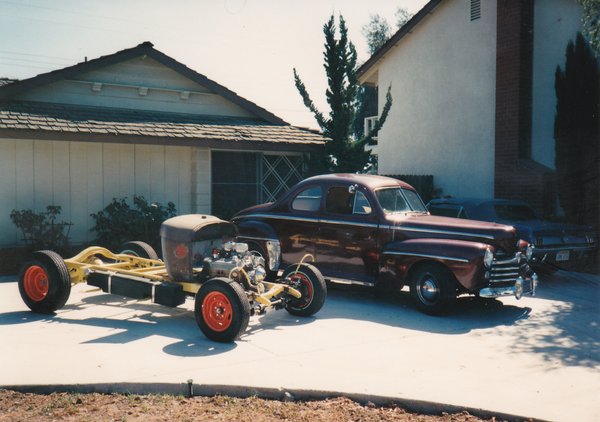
[{"x": 516, "y": 175}]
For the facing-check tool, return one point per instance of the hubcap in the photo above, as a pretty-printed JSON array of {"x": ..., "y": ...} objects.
[{"x": 428, "y": 289}]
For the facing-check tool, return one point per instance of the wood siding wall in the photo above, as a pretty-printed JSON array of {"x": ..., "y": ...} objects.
[{"x": 84, "y": 177}]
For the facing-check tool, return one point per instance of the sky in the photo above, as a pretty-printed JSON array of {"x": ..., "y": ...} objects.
[{"x": 249, "y": 46}]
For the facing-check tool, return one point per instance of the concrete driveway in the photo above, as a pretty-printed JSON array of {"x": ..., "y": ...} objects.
[{"x": 537, "y": 357}]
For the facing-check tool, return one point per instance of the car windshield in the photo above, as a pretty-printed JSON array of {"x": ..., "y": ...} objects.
[
  {"x": 514, "y": 212},
  {"x": 397, "y": 200}
]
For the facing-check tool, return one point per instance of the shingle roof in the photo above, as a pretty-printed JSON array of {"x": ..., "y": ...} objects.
[{"x": 58, "y": 121}]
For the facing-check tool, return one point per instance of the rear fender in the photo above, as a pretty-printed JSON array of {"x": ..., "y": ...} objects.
[{"x": 463, "y": 258}]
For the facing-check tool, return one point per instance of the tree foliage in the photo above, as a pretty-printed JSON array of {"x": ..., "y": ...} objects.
[
  {"x": 576, "y": 132},
  {"x": 344, "y": 152},
  {"x": 591, "y": 22},
  {"x": 402, "y": 16},
  {"x": 376, "y": 32}
]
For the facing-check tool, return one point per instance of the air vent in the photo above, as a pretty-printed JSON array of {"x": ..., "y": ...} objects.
[{"x": 475, "y": 9}]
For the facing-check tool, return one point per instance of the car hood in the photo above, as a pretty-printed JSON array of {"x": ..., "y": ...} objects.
[
  {"x": 552, "y": 233},
  {"x": 499, "y": 235}
]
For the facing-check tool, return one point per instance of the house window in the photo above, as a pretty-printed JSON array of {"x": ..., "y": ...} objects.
[
  {"x": 370, "y": 123},
  {"x": 235, "y": 182},
  {"x": 475, "y": 9}
]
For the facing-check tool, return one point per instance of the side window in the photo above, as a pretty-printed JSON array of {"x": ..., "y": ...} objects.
[
  {"x": 308, "y": 200},
  {"x": 339, "y": 200},
  {"x": 361, "y": 204}
]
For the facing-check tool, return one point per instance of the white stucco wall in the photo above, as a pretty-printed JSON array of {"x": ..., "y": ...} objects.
[
  {"x": 119, "y": 89},
  {"x": 443, "y": 84},
  {"x": 555, "y": 23},
  {"x": 84, "y": 177}
]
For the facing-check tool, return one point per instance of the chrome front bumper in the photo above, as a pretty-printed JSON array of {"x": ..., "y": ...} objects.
[{"x": 521, "y": 287}]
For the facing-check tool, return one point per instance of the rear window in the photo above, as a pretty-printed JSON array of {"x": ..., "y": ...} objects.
[{"x": 308, "y": 200}]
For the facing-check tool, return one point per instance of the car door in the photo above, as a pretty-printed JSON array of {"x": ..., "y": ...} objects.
[
  {"x": 297, "y": 229},
  {"x": 346, "y": 242}
]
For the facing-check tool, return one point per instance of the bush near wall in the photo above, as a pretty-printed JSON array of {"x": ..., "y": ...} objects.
[
  {"x": 119, "y": 222},
  {"x": 422, "y": 183}
]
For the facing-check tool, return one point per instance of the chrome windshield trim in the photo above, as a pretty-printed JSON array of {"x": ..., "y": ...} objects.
[
  {"x": 414, "y": 229},
  {"x": 420, "y": 255}
]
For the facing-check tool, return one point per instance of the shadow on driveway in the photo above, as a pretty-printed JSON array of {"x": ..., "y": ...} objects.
[
  {"x": 144, "y": 319},
  {"x": 368, "y": 304},
  {"x": 569, "y": 330},
  {"x": 147, "y": 320}
]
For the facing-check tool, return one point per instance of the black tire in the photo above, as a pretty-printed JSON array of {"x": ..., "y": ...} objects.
[
  {"x": 309, "y": 280},
  {"x": 139, "y": 249},
  {"x": 44, "y": 282},
  {"x": 432, "y": 288},
  {"x": 222, "y": 310}
]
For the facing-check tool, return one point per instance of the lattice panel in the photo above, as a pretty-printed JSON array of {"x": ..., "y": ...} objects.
[{"x": 279, "y": 173}]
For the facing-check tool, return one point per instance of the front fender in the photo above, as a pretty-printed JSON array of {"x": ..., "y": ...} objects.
[
  {"x": 265, "y": 236},
  {"x": 255, "y": 230},
  {"x": 463, "y": 258}
]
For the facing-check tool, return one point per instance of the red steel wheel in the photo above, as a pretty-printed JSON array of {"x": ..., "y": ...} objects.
[
  {"x": 217, "y": 311},
  {"x": 44, "y": 282},
  {"x": 222, "y": 309},
  {"x": 310, "y": 282},
  {"x": 35, "y": 283},
  {"x": 305, "y": 286}
]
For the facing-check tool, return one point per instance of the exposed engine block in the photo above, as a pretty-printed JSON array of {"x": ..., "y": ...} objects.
[{"x": 235, "y": 261}]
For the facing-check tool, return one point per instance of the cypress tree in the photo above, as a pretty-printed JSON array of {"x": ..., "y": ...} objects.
[
  {"x": 576, "y": 132},
  {"x": 344, "y": 152}
]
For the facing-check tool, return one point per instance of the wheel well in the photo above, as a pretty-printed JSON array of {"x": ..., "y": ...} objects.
[{"x": 424, "y": 263}]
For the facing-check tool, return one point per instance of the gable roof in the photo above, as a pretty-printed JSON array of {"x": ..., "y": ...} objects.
[
  {"x": 370, "y": 65},
  {"x": 8, "y": 91}
]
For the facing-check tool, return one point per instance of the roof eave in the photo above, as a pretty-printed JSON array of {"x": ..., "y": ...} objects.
[
  {"x": 245, "y": 145},
  {"x": 370, "y": 68}
]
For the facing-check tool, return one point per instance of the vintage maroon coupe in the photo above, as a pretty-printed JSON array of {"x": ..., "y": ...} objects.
[{"x": 365, "y": 229}]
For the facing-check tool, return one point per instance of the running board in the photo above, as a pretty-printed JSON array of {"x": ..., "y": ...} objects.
[{"x": 349, "y": 282}]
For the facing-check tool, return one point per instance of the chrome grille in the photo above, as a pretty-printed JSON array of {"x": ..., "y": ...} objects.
[{"x": 507, "y": 270}]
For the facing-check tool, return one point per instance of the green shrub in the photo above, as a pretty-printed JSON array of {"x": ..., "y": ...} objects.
[
  {"x": 118, "y": 222},
  {"x": 41, "y": 230}
]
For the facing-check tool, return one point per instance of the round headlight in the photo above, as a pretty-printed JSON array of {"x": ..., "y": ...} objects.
[
  {"x": 529, "y": 252},
  {"x": 488, "y": 258}
]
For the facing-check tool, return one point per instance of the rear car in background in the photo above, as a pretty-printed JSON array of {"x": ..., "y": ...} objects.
[{"x": 557, "y": 245}]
